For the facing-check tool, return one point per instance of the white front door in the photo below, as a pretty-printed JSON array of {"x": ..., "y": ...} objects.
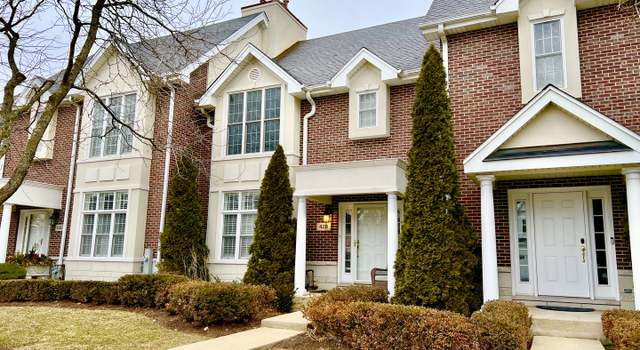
[
  {"x": 35, "y": 230},
  {"x": 371, "y": 231},
  {"x": 561, "y": 244}
]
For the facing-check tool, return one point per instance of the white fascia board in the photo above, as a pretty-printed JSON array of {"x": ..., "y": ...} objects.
[
  {"x": 237, "y": 35},
  {"x": 551, "y": 94},
  {"x": 293, "y": 86},
  {"x": 389, "y": 72},
  {"x": 549, "y": 163}
]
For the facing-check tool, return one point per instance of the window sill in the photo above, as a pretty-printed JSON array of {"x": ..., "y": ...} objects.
[
  {"x": 103, "y": 259},
  {"x": 229, "y": 261},
  {"x": 245, "y": 156},
  {"x": 112, "y": 158}
]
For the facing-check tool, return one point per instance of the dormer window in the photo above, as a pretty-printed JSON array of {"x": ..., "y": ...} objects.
[
  {"x": 367, "y": 115},
  {"x": 549, "y": 61}
]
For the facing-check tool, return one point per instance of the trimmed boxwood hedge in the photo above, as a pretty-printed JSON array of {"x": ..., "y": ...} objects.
[
  {"x": 12, "y": 272},
  {"x": 147, "y": 290},
  {"x": 622, "y": 327},
  {"x": 503, "y": 325},
  {"x": 209, "y": 303}
]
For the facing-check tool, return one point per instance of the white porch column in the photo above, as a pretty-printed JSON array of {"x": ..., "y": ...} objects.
[
  {"x": 300, "y": 273},
  {"x": 392, "y": 240},
  {"x": 4, "y": 231},
  {"x": 633, "y": 209},
  {"x": 489, "y": 254}
]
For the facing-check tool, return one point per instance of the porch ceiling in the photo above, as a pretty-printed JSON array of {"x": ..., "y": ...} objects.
[{"x": 351, "y": 178}]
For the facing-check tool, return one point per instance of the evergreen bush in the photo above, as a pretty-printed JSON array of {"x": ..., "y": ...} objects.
[
  {"x": 12, "y": 272},
  {"x": 273, "y": 248},
  {"x": 183, "y": 242},
  {"x": 435, "y": 262}
]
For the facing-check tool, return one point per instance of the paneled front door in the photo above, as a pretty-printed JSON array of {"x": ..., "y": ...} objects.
[
  {"x": 371, "y": 225},
  {"x": 35, "y": 229},
  {"x": 562, "y": 252}
]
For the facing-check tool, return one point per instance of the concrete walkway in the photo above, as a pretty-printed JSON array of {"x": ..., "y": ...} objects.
[
  {"x": 273, "y": 330},
  {"x": 558, "y": 343}
]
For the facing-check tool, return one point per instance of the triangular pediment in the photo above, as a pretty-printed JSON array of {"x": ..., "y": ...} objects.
[{"x": 551, "y": 126}]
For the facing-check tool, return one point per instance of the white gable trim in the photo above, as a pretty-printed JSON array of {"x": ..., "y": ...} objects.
[
  {"x": 474, "y": 163},
  {"x": 293, "y": 86},
  {"x": 388, "y": 71},
  {"x": 238, "y": 34}
]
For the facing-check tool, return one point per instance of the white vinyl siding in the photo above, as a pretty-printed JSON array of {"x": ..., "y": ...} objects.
[
  {"x": 367, "y": 113},
  {"x": 109, "y": 137},
  {"x": 253, "y": 121},
  {"x": 238, "y": 223},
  {"x": 103, "y": 224},
  {"x": 549, "y": 59}
]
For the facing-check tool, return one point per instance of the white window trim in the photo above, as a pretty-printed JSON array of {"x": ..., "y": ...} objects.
[
  {"x": 358, "y": 110},
  {"x": 106, "y": 100},
  {"x": 607, "y": 292},
  {"x": 560, "y": 19},
  {"x": 236, "y": 258},
  {"x": 83, "y": 211},
  {"x": 262, "y": 152},
  {"x": 48, "y": 137}
]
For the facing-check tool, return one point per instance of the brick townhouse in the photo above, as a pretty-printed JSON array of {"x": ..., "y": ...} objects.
[{"x": 546, "y": 115}]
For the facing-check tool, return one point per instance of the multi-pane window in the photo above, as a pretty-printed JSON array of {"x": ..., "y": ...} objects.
[
  {"x": 104, "y": 218},
  {"x": 548, "y": 54},
  {"x": 44, "y": 149},
  {"x": 238, "y": 222},
  {"x": 600, "y": 240},
  {"x": 253, "y": 124},
  {"x": 109, "y": 137},
  {"x": 367, "y": 110},
  {"x": 523, "y": 244}
]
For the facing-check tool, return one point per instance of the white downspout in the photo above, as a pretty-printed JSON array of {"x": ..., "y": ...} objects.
[
  {"x": 445, "y": 50},
  {"x": 305, "y": 127},
  {"x": 72, "y": 170},
  {"x": 167, "y": 164}
]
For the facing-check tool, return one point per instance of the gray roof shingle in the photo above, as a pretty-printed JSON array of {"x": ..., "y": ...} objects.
[
  {"x": 442, "y": 10},
  {"x": 316, "y": 61},
  {"x": 170, "y": 53}
]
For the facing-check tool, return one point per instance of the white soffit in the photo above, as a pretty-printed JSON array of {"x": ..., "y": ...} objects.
[{"x": 475, "y": 162}]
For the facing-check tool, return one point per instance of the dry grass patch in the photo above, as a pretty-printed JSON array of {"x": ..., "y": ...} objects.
[{"x": 38, "y": 327}]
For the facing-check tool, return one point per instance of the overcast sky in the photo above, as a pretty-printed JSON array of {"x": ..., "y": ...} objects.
[{"x": 325, "y": 17}]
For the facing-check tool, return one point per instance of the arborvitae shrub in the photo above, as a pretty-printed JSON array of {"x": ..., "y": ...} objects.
[
  {"x": 435, "y": 262},
  {"x": 183, "y": 242},
  {"x": 274, "y": 241}
]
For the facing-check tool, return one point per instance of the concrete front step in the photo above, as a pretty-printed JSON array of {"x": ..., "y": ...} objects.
[
  {"x": 558, "y": 343},
  {"x": 582, "y": 325},
  {"x": 294, "y": 321}
]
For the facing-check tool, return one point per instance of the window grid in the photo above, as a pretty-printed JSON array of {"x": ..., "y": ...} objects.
[
  {"x": 549, "y": 63},
  {"x": 104, "y": 224},
  {"x": 253, "y": 124},
  {"x": 367, "y": 110},
  {"x": 600, "y": 241},
  {"x": 347, "y": 242},
  {"x": 109, "y": 138},
  {"x": 238, "y": 223},
  {"x": 523, "y": 242}
]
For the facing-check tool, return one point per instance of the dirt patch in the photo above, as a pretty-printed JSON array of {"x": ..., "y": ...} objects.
[{"x": 304, "y": 341}]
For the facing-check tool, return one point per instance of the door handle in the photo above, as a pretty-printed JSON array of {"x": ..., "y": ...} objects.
[{"x": 583, "y": 250}]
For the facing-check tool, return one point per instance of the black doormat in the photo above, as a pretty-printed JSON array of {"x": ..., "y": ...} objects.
[{"x": 565, "y": 308}]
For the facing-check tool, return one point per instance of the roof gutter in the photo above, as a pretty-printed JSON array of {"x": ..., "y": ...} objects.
[
  {"x": 167, "y": 164},
  {"x": 305, "y": 130},
  {"x": 444, "y": 48}
]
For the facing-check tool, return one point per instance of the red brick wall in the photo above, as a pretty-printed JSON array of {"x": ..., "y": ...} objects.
[
  {"x": 189, "y": 132},
  {"x": 54, "y": 171},
  {"x": 329, "y": 130}
]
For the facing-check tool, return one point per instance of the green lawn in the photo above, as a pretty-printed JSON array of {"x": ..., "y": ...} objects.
[{"x": 45, "y": 327}]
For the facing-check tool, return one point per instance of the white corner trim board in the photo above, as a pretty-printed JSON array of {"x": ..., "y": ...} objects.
[
  {"x": 388, "y": 72},
  {"x": 475, "y": 163}
]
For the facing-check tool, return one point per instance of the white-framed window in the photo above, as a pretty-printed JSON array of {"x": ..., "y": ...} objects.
[
  {"x": 367, "y": 109},
  {"x": 107, "y": 136},
  {"x": 238, "y": 222},
  {"x": 44, "y": 149},
  {"x": 104, "y": 217},
  {"x": 253, "y": 121},
  {"x": 548, "y": 52}
]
